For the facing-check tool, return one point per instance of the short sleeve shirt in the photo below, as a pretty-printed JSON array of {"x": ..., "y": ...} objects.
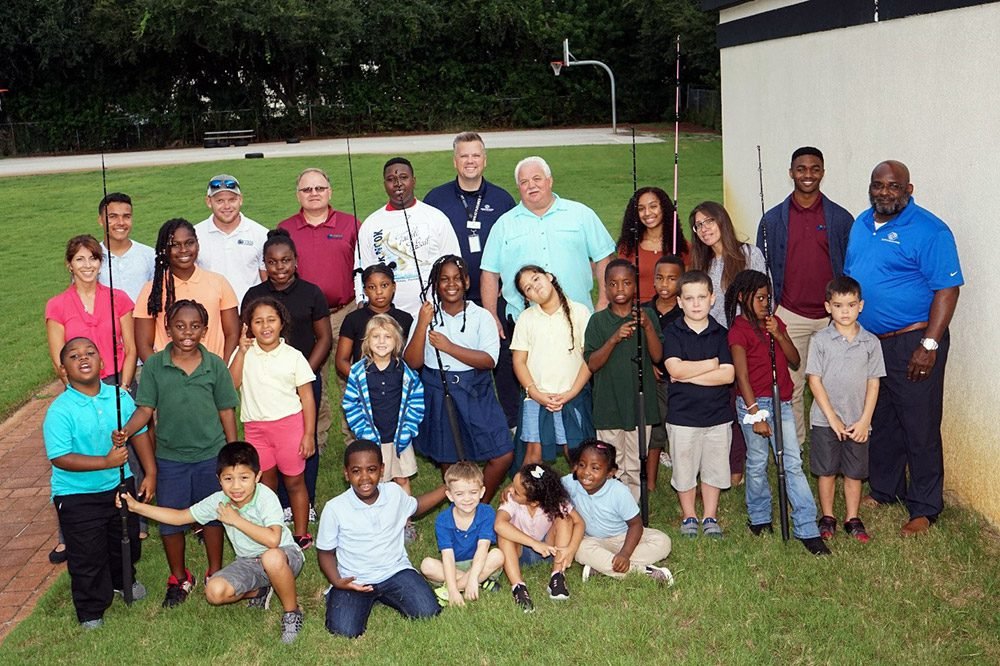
[
  {"x": 67, "y": 309},
  {"x": 480, "y": 334},
  {"x": 465, "y": 542},
  {"x": 844, "y": 367},
  {"x": 605, "y": 512},
  {"x": 692, "y": 405},
  {"x": 326, "y": 253},
  {"x": 305, "y": 304},
  {"x": 757, "y": 345},
  {"x": 536, "y": 526},
  {"x": 188, "y": 428},
  {"x": 554, "y": 355},
  {"x": 368, "y": 538},
  {"x": 238, "y": 256},
  {"x": 263, "y": 509},
  {"x": 131, "y": 270},
  {"x": 270, "y": 382}
]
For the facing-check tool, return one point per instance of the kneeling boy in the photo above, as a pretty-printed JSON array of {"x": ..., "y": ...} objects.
[{"x": 266, "y": 554}]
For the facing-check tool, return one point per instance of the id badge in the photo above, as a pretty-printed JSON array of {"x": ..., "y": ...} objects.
[{"x": 474, "y": 244}]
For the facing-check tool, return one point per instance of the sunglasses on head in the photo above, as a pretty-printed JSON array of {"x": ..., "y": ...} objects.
[{"x": 223, "y": 184}]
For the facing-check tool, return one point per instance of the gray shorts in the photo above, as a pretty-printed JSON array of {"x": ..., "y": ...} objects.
[
  {"x": 700, "y": 451},
  {"x": 247, "y": 573},
  {"x": 828, "y": 456}
]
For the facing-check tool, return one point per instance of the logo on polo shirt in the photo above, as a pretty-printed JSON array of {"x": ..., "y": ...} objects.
[
  {"x": 892, "y": 237},
  {"x": 488, "y": 208},
  {"x": 245, "y": 241}
]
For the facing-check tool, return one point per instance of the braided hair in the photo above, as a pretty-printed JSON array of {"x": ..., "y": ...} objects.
[
  {"x": 161, "y": 273},
  {"x": 177, "y": 306},
  {"x": 543, "y": 486},
  {"x": 435, "y": 277},
  {"x": 563, "y": 301},
  {"x": 741, "y": 293},
  {"x": 630, "y": 223}
]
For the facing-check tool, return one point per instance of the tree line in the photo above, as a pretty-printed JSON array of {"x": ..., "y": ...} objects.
[{"x": 131, "y": 73}]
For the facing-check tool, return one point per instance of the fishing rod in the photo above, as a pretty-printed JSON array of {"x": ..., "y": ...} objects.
[
  {"x": 354, "y": 209},
  {"x": 638, "y": 359},
  {"x": 677, "y": 124}
]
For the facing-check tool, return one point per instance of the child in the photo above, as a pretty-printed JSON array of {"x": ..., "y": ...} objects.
[
  {"x": 277, "y": 406},
  {"x": 267, "y": 558},
  {"x": 360, "y": 546},
  {"x": 547, "y": 347},
  {"x": 699, "y": 420},
  {"x": 666, "y": 272},
  {"x": 384, "y": 399},
  {"x": 536, "y": 522},
  {"x": 464, "y": 536},
  {"x": 750, "y": 335},
  {"x": 193, "y": 396},
  {"x": 844, "y": 366},
  {"x": 610, "y": 350},
  {"x": 380, "y": 287},
  {"x": 177, "y": 277},
  {"x": 85, "y": 477},
  {"x": 466, "y": 342},
  {"x": 615, "y": 541}
]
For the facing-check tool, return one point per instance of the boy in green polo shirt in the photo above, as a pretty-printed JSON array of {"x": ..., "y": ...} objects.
[
  {"x": 609, "y": 349},
  {"x": 266, "y": 554}
]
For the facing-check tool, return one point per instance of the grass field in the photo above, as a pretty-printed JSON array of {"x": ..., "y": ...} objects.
[{"x": 742, "y": 600}]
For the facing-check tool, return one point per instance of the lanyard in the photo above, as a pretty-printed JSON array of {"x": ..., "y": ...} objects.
[{"x": 472, "y": 216}]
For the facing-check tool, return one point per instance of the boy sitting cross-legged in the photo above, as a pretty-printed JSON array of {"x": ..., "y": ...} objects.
[{"x": 266, "y": 554}]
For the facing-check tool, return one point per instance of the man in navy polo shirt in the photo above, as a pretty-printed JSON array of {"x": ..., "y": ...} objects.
[
  {"x": 907, "y": 263},
  {"x": 473, "y": 205},
  {"x": 806, "y": 242}
]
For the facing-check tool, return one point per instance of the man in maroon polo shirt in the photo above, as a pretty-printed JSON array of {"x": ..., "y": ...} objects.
[
  {"x": 325, "y": 240},
  {"x": 806, "y": 244}
]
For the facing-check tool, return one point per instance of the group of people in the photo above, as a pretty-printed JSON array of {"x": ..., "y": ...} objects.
[{"x": 462, "y": 329}]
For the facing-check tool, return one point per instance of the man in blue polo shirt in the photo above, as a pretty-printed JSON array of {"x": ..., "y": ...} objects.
[
  {"x": 907, "y": 263},
  {"x": 473, "y": 205}
]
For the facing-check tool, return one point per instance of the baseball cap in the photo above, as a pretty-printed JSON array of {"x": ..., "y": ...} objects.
[{"x": 223, "y": 183}]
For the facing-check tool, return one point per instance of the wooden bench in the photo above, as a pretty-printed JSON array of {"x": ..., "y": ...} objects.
[{"x": 226, "y": 138}]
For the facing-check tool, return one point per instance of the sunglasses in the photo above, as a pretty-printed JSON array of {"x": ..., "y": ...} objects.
[
  {"x": 318, "y": 189},
  {"x": 223, "y": 184}
]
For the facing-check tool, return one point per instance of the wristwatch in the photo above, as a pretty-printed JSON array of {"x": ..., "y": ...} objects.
[{"x": 930, "y": 344}]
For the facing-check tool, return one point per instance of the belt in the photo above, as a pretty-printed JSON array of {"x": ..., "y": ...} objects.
[{"x": 919, "y": 326}]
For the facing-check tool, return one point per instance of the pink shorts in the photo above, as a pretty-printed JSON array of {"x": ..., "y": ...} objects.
[{"x": 277, "y": 443}]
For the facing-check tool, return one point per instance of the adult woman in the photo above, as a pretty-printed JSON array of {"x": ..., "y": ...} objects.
[
  {"x": 652, "y": 213},
  {"x": 716, "y": 250}
]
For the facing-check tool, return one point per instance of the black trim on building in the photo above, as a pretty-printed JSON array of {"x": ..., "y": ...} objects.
[{"x": 820, "y": 15}]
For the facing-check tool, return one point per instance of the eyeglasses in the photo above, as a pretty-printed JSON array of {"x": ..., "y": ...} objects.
[
  {"x": 895, "y": 188},
  {"x": 223, "y": 185},
  {"x": 703, "y": 223},
  {"x": 318, "y": 189}
]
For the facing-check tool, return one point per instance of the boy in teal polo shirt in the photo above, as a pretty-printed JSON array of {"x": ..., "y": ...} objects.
[
  {"x": 85, "y": 476},
  {"x": 266, "y": 554},
  {"x": 609, "y": 350}
]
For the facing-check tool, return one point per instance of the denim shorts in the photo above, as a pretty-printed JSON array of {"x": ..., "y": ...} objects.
[{"x": 180, "y": 485}]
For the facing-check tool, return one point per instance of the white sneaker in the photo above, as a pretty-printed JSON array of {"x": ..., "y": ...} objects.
[
  {"x": 286, "y": 515},
  {"x": 665, "y": 459},
  {"x": 586, "y": 573},
  {"x": 661, "y": 575}
]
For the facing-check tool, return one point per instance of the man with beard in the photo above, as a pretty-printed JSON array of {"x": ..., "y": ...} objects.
[{"x": 907, "y": 263}]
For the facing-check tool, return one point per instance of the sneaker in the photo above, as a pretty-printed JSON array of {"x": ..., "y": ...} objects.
[
  {"x": 522, "y": 598},
  {"x": 177, "y": 592},
  {"x": 92, "y": 624},
  {"x": 263, "y": 599},
  {"x": 710, "y": 528},
  {"x": 303, "y": 541},
  {"x": 661, "y": 575},
  {"x": 757, "y": 530},
  {"x": 557, "y": 587},
  {"x": 855, "y": 528},
  {"x": 286, "y": 514},
  {"x": 57, "y": 556},
  {"x": 441, "y": 592},
  {"x": 138, "y": 591},
  {"x": 490, "y": 584},
  {"x": 815, "y": 546},
  {"x": 665, "y": 459},
  {"x": 312, "y": 514},
  {"x": 689, "y": 527},
  {"x": 586, "y": 573},
  {"x": 828, "y": 526},
  {"x": 409, "y": 533},
  {"x": 291, "y": 624}
]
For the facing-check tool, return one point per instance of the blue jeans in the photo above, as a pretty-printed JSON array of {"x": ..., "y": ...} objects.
[
  {"x": 759, "y": 488},
  {"x": 347, "y": 611}
]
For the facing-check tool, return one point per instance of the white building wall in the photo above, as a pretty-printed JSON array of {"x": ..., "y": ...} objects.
[{"x": 924, "y": 90}]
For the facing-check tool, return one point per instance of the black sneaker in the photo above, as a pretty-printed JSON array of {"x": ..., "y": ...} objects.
[
  {"x": 178, "y": 591},
  {"x": 263, "y": 599},
  {"x": 557, "y": 586},
  {"x": 303, "y": 541},
  {"x": 815, "y": 546},
  {"x": 757, "y": 530},
  {"x": 522, "y": 598},
  {"x": 827, "y": 527}
]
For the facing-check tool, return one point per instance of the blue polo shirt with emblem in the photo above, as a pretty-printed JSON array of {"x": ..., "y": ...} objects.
[{"x": 900, "y": 266}]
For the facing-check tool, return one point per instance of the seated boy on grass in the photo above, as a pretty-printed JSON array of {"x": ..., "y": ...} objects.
[{"x": 267, "y": 559}]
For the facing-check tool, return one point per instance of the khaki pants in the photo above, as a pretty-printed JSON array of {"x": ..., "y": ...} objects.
[
  {"x": 800, "y": 331},
  {"x": 653, "y": 546},
  {"x": 323, "y": 410},
  {"x": 626, "y": 443}
]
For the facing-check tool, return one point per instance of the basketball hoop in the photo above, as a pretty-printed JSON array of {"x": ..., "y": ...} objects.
[{"x": 556, "y": 65}]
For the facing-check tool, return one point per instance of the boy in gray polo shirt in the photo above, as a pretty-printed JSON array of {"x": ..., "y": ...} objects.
[{"x": 844, "y": 367}]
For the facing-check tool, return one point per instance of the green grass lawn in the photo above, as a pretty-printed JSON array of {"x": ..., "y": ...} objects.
[{"x": 742, "y": 600}]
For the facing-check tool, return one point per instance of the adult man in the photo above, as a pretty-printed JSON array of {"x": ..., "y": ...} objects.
[
  {"x": 131, "y": 262},
  {"x": 806, "y": 242},
  {"x": 229, "y": 242},
  {"x": 473, "y": 205},
  {"x": 564, "y": 237},
  {"x": 907, "y": 263},
  {"x": 391, "y": 234},
  {"x": 325, "y": 240}
]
